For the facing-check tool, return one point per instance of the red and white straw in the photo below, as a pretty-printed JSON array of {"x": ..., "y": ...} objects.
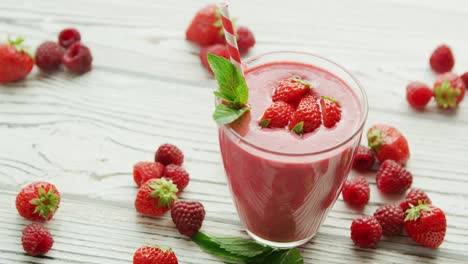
[{"x": 230, "y": 35}]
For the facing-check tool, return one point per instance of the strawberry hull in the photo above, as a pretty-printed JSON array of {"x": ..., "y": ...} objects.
[{"x": 283, "y": 185}]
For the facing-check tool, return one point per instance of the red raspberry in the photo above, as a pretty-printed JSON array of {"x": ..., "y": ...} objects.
[
  {"x": 49, "y": 56},
  {"x": 356, "y": 191},
  {"x": 178, "y": 176},
  {"x": 188, "y": 217},
  {"x": 277, "y": 115},
  {"x": 364, "y": 159},
  {"x": 143, "y": 171},
  {"x": 38, "y": 201},
  {"x": 169, "y": 154},
  {"x": 464, "y": 77},
  {"x": 78, "y": 58},
  {"x": 442, "y": 59},
  {"x": 36, "y": 239},
  {"x": 391, "y": 218},
  {"x": 418, "y": 94},
  {"x": 413, "y": 197},
  {"x": 393, "y": 178},
  {"x": 153, "y": 255},
  {"x": 217, "y": 49},
  {"x": 366, "y": 232},
  {"x": 245, "y": 39},
  {"x": 69, "y": 36}
]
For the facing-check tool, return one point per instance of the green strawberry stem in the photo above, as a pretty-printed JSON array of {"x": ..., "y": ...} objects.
[
  {"x": 445, "y": 95},
  {"x": 375, "y": 138},
  {"x": 165, "y": 190},
  {"x": 18, "y": 44},
  {"x": 414, "y": 212},
  {"x": 298, "y": 128},
  {"x": 47, "y": 203},
  {"x": 330, "y": 98},
  {"x": 301, "y": 81}
]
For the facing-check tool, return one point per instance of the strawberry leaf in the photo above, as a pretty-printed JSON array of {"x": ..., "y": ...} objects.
[
  {"x": 264, "y": 123},
  {"x": 224, "y": 114},
  {"x": 298, "y": 128}
]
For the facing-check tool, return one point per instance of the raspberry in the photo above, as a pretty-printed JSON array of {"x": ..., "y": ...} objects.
[
  {"x": 36, "y": 239},
  {"x": 391, "y": 218},
  {"x": 413, "y": 197},
  {"x": 393, "y": 178},
  {"x": 364, "y": 159},
  {"x": 217, "y": 49},
  {"x": 143, "y": 171},
  {"x": 356, "y": 191},
  {"x": 464, "y": 77},
  {"x": 49, "y": 56},
  {"x": 442, "y": 59},
  {"x": 69, "y": 36},
  {"x": 366, "y": 232},
  {"x": 245, "y": 39},
  {"x": 178, "y": 176},
  {"x": 418, "y": 95},
  {"x": 78, "y": 58},
  {"x": 188, "y": 217},
  {"x": 169, "y": 154}
]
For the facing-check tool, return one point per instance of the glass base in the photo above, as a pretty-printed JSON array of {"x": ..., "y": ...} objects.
[{"x": 279, "y": 244}]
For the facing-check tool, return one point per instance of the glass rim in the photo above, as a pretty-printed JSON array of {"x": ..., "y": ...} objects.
[{"x": 336, "y": 146}]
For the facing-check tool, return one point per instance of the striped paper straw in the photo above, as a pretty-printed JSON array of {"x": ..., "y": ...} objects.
[{"x": 230, "y": 35}]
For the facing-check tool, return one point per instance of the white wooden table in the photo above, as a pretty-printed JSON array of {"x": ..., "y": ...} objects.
[{"x": 84, "y": 133}]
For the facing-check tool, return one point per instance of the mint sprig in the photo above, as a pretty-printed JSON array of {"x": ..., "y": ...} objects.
[
  {"x": 233, "y": 90},
  {"x": 246, "y": 251}
]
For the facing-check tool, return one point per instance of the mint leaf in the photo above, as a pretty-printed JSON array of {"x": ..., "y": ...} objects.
[
  {"x": 224, "y": 114},
  {"x": 232, "y": 85},
  {"x": 284, "y": 256},
  {"x": 208, "y": 245},
  {"x": 241, "y": 247}
]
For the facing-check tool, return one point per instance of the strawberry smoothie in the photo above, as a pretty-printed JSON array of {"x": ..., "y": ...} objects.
[{"x": 283, "y": 184}]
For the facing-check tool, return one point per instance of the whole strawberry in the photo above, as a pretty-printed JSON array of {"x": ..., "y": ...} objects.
[
  {"x": 206, "y": 27},
  {"x": 188, "y": 217},
  {"x": 418, "y": 95},
  {"x": 78, "y": 58},
  {"x": 155, "y": 197},
  {"x": 276, "y": 115},
  {"x": 393, "y": 178},
  {"x": 449, "y": 90},
  {"x": 154, "y": 255},
  {"x": 366, "y": 232},
  {"x": 178, "y": 175},
  {"x": 364, "y": 159},
  {"x": 426, "y": 224},
  {"x": 442, "y": 59},
  {"x": 388, "y": 144},
  {"x": 49, "y": 56},
  {"x": 245, "y": 39},
  {"x": 216, "y": 49},
  {"x": 307, "y": 117},
  {"x": 169, "y": 154},
  {"x": 36, "y": 239},
  {"x": 143, "y": 171},
  {"x": 331, "y": 111},
  {"x": 38, "y": 201},
  {"x": 291, "y": 90},
  {"x": 356, "y": 191},
  {"x": 15, "y": 62},
  {"x": 391, "y": 218},
  {"x": 413, "y": 197}
]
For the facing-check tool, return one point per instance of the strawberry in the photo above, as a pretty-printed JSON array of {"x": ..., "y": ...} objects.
[
  {"x": 169, "y": 154},
  {"x": 464, "y": 77},
  {"x": 15, "y": 62},
  {"x": 178, "y": 176},
  {"x": 217, "y": 49},
  {"x": 418, "y": 95},
  {"x": 413, "y": 197},
  {"x": 205, "y": 27},
  {"x": 188, "y": 217},
  {"x": 331, "y": 111},
  {"x": 442, "y": 59},
  {"x": 155, "y": 197},
  {"x": 426, "y": 224},
  {"x": 449, "y": 90},
  {"x": 245, "y": 39},
  {"x": 366, "y": 232},
  {"x": 388, "y": 143},
  {"x": 391, "y": 218},
  {"x": 277, "y": 114},
  {"x": 38, "y": 201},
  {"x": 36, "y": 239},
  {"x": 307, "y": 117},
  {"x": 154, "y": 255},
  {"x": 364, "y": 159},
  {"x": 393, "y": 178},
  {"x": 291, "y": 90},
  {"x": 143, "y": 171}
]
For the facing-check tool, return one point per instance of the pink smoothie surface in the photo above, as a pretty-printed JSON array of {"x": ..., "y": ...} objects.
[{"x": 284, "y": 197}]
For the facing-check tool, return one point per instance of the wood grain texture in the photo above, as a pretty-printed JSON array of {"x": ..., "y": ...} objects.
[{"x": 85, "y": 132}]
